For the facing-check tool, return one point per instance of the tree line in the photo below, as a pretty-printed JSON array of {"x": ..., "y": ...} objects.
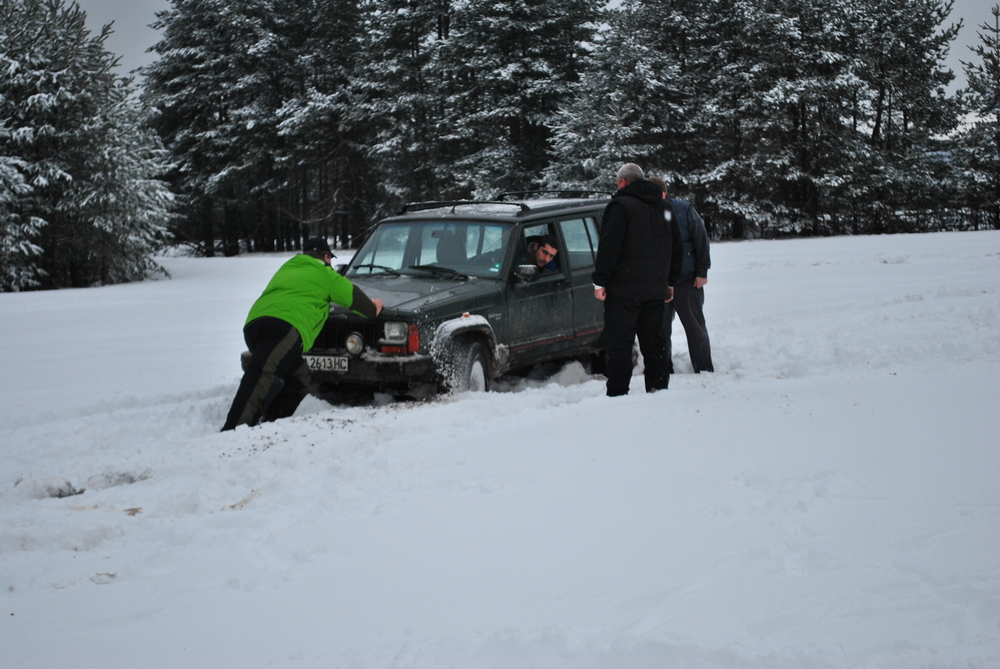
[
  {"x": 80, "y": 201},
  {"x": 266, "y": 121}
]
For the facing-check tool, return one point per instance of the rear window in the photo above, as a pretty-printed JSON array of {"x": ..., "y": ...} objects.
[{"x": 581, "y": 241}]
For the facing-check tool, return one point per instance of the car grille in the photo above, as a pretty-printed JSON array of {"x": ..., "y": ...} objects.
[{"x": 336, "y": 330}]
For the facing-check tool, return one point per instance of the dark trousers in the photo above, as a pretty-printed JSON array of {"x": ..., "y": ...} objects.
[
  {"x": 277, "y": 378},
  {"x": 689, "y": 303},
  {"x": 625, "y": 319}
]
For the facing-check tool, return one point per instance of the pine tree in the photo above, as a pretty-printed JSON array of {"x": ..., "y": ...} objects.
[
  {"x": 199, "y": 85},
  {"x": 904, "y": 105},
  {"x": 326, "y": 182},
  {"x": 128, "y": 208},
  {"x": 801, "y": 112},
  {"x": 18, "y": 253},
  {"x": 736, "y": 153},
  {"x": 626, "y": 107},
  {"x": 81, "y": 205},
  {"x": 397, "y": 96},
  {"x": 510, "y": 65},
  {"x": 980, "y": 143},
  {"x": 250, "y": 96}
]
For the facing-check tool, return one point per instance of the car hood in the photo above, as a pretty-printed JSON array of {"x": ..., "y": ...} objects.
[{"x": 417, "y": 293}]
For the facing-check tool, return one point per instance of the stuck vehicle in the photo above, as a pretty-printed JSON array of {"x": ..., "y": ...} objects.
[{"x": 463, "y": 304}]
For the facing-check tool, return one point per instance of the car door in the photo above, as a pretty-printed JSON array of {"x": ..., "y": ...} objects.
[
  {"x": 580, "y": 248},
  {"x": 540, "y": 309}
]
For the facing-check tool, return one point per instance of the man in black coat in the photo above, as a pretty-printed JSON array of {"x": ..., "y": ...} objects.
[{"x": 638, "y": 261}]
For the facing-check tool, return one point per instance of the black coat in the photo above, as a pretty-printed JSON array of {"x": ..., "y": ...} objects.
[{"x": 640, "y": 252}]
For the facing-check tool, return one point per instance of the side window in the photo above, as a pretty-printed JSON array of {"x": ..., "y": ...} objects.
[
  {"x": 595, "y": 235},
  {"x": 581, "y": 242}
]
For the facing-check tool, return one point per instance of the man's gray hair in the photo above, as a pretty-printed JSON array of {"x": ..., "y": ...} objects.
[{"x": 631, "y": 173}]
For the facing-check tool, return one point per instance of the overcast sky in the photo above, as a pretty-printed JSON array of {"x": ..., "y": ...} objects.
[{"x": 132, "y": 35}]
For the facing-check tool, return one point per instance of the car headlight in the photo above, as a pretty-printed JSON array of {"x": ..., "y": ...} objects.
[
  {"x": 396, "y": 332},
  {"x": 355, "y": 343}
]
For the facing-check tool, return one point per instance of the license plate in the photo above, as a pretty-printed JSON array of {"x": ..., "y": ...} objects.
[{"x": 327, "y": 363}]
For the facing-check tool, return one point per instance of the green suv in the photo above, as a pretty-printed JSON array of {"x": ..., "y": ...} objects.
[{"x": 463, "y": 303}]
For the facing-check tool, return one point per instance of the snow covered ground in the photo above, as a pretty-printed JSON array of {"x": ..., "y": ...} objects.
[{"x": 828, "y": 498}]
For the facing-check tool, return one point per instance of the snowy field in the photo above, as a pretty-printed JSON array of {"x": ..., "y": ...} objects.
[{"x": 829, "y": 498}]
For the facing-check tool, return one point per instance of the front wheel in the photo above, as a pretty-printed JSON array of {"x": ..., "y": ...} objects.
[{"x": 470, "y": 371}]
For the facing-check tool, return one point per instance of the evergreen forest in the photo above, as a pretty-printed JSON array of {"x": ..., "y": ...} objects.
[{"x": 263, "y": 122}]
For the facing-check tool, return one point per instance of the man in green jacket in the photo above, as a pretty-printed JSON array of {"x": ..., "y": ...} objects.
[{"x": 282, "y": 325}]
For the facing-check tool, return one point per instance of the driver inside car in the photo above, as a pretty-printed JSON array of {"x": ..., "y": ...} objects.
[{"x": 542, "y": 250}]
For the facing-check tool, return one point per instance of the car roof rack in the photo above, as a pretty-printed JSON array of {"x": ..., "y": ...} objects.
[
  {"x": 567, "y": 193},
  {"x": 439, "y": 204}
]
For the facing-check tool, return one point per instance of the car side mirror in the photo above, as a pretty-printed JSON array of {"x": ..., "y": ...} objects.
[
  {"x": 340, "y": 268},
  {"x": 526, "y": 273}
]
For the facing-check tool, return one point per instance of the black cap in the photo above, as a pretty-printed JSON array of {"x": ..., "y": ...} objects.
[{"x": 317, "y": 244}]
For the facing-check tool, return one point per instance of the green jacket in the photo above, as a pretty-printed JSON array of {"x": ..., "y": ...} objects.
[{"x": 300, "y": 293}]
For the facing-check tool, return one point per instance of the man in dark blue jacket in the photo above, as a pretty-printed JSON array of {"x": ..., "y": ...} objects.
[
  {"x": 689, "y": 291},
  {"x": 638, "y": 261}
]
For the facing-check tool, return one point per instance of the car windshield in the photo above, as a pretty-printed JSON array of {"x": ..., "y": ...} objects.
[{"x": 469, "y": 248}]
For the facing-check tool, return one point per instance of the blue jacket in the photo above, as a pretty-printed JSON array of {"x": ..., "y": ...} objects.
[{"x": 694, "y": 238}]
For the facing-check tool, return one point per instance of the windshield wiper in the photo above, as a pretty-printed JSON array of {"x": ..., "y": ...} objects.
[
  {"x": 387, "y": 270},
  {"x": 440, "y": 271}
]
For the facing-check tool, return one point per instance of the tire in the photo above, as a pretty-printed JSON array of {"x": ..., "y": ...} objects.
[{"x": 470, "y": 369}]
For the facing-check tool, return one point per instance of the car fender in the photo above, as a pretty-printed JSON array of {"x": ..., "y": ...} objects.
[{"x": 449, "y": 330}]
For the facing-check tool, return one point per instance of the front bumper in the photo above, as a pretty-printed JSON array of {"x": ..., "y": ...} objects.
[{"x": 379, "y": 371}]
